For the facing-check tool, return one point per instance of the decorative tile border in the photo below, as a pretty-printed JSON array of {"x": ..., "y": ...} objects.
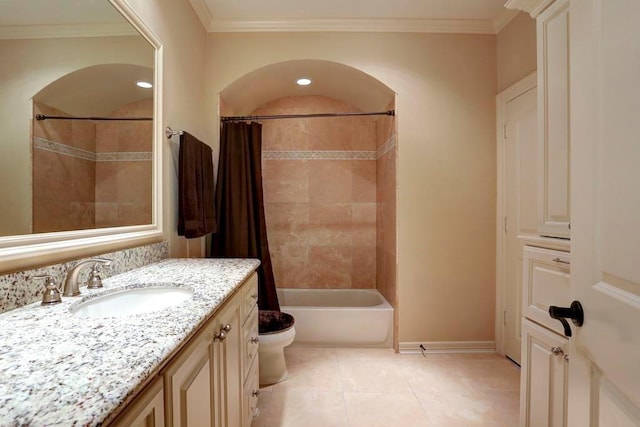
[
  {"x": 125, "y": 156},
  {"x": 20, "y": 289},
  {"x": 64, "y": 149},
  {"x": 388, "y": 145},
  {"x": 319, "y": 155},
  {"x": 67, "y": 150}
]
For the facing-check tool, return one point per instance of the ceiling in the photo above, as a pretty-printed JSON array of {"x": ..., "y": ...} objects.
[
  {"x": 60, "y": 18},
  {"x": 463, "y": 16}
]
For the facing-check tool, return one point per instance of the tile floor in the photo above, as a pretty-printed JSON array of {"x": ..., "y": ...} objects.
[{"x": 376, "y": 387}]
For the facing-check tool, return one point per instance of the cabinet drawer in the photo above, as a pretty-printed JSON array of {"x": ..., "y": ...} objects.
[
  {"x": 251, "y": 393},
  {"x": 545, "y": 282},
  {"x": 250, "y": 342},
  {"x": 249, "y": 296}
]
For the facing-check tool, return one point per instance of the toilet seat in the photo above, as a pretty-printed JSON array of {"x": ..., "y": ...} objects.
[{"x": 273, "y": 322}]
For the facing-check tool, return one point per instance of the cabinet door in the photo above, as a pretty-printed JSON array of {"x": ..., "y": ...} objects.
[
  {"x": 147, "y": 410},
  {"x": 189, "y": 388},
  {"x": 554, "y": 213},
  {"x": 543, "y": 387},
  {"x": 227, "y": 360}
]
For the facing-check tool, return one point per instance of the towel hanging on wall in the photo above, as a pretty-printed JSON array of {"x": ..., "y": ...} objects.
[{"x": 196, "y": 213}]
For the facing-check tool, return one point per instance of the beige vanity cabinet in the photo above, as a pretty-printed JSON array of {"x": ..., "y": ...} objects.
[
  {"x": 554, "y": 213},
  {"x": 213, "y": 380},
  {"x": 147, "y": 410}
]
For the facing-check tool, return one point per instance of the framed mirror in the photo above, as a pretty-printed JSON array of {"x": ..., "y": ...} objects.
[{"x": 80, "y": 161}]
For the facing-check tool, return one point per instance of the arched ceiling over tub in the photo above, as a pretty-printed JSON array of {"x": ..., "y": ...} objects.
[{"x": 328, "y": 78}]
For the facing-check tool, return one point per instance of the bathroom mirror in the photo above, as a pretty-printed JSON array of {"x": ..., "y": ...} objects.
[{"x": 70, "y": 186}]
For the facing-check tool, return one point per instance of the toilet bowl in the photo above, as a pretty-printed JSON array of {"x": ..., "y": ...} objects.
[{"x": 276, "y": 332}]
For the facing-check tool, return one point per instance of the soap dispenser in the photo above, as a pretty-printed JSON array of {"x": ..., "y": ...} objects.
[{"x": 51, "y": 293}]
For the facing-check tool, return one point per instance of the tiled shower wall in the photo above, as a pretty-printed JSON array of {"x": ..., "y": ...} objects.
[
  {"x": 124, "y": 167},
  {"x": 63, "y": 150},
  {"x": 386, "y": 207},
  {"x": 92, "y": 174},
  {"x": 320, "y": 194}
]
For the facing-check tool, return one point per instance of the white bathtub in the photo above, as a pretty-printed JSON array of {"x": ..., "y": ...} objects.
[{"x": 339, "y": 317}]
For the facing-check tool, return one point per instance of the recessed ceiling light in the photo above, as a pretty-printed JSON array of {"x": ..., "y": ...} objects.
[
  {"x": 145, "y": 85},
  {"x": 303, "y": 81}
]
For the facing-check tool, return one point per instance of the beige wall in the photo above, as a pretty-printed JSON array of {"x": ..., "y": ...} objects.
[
  {"x": 184, "y": 54},
  {"x": 320, "y": 211},
  {"x": 446, "y": 86},
  {"x": 516, "y": 50},
  {"x": 27, "y": 66}
]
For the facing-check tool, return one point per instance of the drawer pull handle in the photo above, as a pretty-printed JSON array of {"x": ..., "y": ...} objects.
[
  {"x": 221, "y": 336},
  {"x": 254, "y": 340},
  {"x": 225, "y": 328},
  {"x": 557, "y": 351},
  {"x": 255, "y": 393},
  {"x": 561, "y": 261}
]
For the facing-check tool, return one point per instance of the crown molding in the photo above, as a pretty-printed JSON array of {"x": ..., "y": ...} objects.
[
  {"x": 203, "y": 12},
  {"x": 532, "y": 7},
  {"x": 502, "y": 20},
  {"x": 357, "y": 25},
  {"x": 65, "y": 31}
]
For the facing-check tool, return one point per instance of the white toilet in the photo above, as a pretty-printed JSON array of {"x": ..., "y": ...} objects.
[{"x": 276, "y": 332}]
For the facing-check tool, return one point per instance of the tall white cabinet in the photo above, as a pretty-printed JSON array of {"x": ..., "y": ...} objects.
[
  {"x": 554, "y": 210},
  {"x": 546, "y": 255}
]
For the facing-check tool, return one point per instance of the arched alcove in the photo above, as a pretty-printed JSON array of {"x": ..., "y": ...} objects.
[
  {"x": 331, "y": 79},
  {"x": 329, "y": 183}
]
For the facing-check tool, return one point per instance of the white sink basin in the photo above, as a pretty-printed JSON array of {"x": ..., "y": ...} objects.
[{"x": 132, "y": 301}]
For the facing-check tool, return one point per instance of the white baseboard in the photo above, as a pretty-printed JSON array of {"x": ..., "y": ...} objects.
[{"x": 448, "y": 347}]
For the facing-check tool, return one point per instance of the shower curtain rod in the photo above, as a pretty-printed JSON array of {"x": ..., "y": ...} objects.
[
  {"x": 41, "y": 117},
  {"x": 302, "y": 116}
]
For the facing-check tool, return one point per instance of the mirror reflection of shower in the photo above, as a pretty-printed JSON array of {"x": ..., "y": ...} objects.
[{"x": 93, "y": 173}]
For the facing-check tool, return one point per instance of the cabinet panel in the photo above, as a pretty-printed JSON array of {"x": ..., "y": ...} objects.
[
  {"x": 554, "y": 214},
  {"x": 188, "y": 381},
  {"x": 251, "y": 338},
  {"x": 227, "y": 358},
  {"x": 543, "y": 393},
  {"x": 147, "y": 410},
  {"x": 251, "y": 393},
  {"x": 545, "y": 282},
  {"x": 249, "y": 296}
]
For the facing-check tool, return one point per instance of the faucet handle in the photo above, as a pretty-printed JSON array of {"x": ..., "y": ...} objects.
[
  {"x": 51, "y": 293},
  {"x": 94, "y": 281}
]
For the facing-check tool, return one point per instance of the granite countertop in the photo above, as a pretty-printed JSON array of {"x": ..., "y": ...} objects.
[{"x": 60, "y": 369}]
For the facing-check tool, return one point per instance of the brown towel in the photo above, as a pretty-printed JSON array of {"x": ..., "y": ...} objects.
[{"x": 196, "y": 214}]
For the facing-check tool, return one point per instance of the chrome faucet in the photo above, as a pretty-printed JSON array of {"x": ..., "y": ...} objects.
[{"x": 71, "y": 285}]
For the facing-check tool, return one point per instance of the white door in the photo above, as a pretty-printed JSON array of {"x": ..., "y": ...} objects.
[
  {"x": 604, "y": 378},
  {"x": 520, "y": 200}
]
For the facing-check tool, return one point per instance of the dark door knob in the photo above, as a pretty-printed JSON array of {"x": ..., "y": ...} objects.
[{"x": 574, "y": 312}]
